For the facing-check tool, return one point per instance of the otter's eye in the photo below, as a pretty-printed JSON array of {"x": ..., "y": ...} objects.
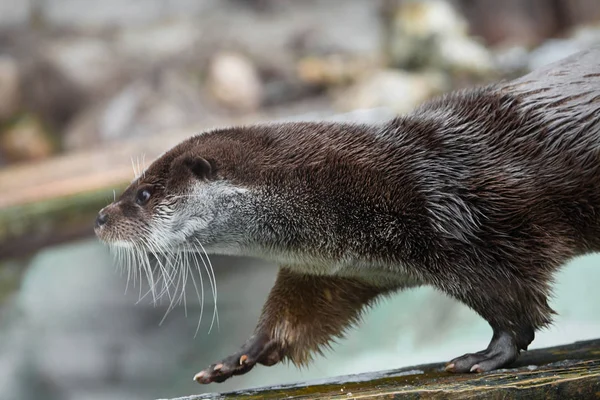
[{"x": 142, "y": 197}]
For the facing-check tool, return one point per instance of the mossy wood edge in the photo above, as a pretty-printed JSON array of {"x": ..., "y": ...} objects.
[
  {"x": 562, "y": 372},
  {"x": 56, "y": 200}
]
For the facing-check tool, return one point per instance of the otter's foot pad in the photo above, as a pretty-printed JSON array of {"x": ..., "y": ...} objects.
[
  {"x": 501, "y": 351},
  {"x": 258, "y": 349}
]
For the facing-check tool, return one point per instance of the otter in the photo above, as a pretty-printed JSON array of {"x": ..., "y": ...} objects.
[{"x": 481, "y": 193}]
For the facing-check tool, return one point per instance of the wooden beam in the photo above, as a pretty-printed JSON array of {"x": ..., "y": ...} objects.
[{"x": 563, "y": 372}]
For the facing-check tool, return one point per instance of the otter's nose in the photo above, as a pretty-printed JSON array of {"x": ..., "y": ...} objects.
[{"x": 101, "y": 219}]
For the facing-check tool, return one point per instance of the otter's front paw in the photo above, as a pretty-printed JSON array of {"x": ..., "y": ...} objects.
[{"x": 258, "y": 349}]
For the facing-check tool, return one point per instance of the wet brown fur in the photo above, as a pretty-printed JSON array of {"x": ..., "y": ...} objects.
[
  {"x": 482, "y": 194},
  {"x": 305, "y": 313}
]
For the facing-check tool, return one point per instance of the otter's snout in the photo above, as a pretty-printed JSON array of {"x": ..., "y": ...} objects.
[
  {"x": 101, "y": 219},
  {"x": 112, "y": 225}
]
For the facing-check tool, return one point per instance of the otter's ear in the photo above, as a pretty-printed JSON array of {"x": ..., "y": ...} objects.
[{"x": 200, "y": 167}]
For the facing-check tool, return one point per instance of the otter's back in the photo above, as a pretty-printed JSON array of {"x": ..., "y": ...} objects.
[{"x": 566, "y": 96}]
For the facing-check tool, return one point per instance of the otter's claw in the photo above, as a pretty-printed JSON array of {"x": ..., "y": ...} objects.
[{"x": 258, "y": 349}]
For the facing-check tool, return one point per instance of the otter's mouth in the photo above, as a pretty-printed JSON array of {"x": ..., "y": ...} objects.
[
  {"x": 120, "y": 244},
  {"x": 106, "y": 234},
  {"x": 126, "y": 238}
]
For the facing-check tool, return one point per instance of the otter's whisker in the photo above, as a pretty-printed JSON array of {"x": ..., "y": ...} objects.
[
  {"x": 199, "y": 296},
  {"x": 136, "y": 258},
  {"x": 179, "y": 270},
  {"x": 169, "y": 254},
  {"x": 135, "y": 174},
  {"x": 137, "y": 270},
  {"x": 125, "y": 260},
  {"x": 163, "y": 283},
  {"x": 154, "y": 249},
  {"x": 213, "y": 285},
  {"x": 137, "y": 160},
  {"x": 163, "y": 268},
  {"x": 142, "y": 297},
  {"x": 145, "y": 266},
  {"x": 210, "y": 280},
  {"x": 177, "y": 299},
  {"x": 143, "y": 165},
  {"x": 184, "y": 275},
  {"x": 150, "y": 278},
  {"x": 129, "y": 268}
]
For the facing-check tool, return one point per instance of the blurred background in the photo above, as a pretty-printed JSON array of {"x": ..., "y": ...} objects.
[{"x": 87, "y": 88}]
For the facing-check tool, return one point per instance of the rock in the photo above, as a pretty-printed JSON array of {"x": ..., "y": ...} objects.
[
  {"x": 10, "y": 81},
  {"x": 551, "y": 51},
  {"x": 526, "y": 22},
  {"x": 333, "y": 70},
  {"x": 167, "y": 100},
  {"x": 413, "y": 28},
  {"x": 26, "y": 140},
  {"x": 159, "y": 41},
  {"x": 118, "y": 13},
  {"x": 511, "y": 60},
  {"x": 89, "y": 62},
  {"x": 14, "y": 13},
  {"x": 121, "y": 111},
  {"x": 433, "y": 34},
  {"x": 462, "y": 53},
  {"x": 83, "y": 131},
  {"x": 50, "y": 93},
  {"x": 514, "y": 60},
  {"x": 234, "y": 82},
  {"x": 397, "y": 90},
  {"x": 283, "y": 87},
  {"x": 555, "y": 49}
]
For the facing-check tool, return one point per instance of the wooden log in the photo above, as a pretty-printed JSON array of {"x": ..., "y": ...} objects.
[
  {"x": 55, "y": 200},
  {"x": 563, "y": 372}
]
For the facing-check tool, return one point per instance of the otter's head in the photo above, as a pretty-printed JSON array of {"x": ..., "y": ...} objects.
[{"x": 180, "y": 202}]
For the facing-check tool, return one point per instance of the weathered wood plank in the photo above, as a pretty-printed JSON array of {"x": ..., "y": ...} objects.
[
  {"x": 56, "y": 200},
  {"x": 563, "y": 372},
  {"x": 81, "y": 172}
]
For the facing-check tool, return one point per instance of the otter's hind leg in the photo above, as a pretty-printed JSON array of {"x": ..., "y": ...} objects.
[
  {"x": 514, "y": 309},
  {"x": 303, "y": 313}
]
